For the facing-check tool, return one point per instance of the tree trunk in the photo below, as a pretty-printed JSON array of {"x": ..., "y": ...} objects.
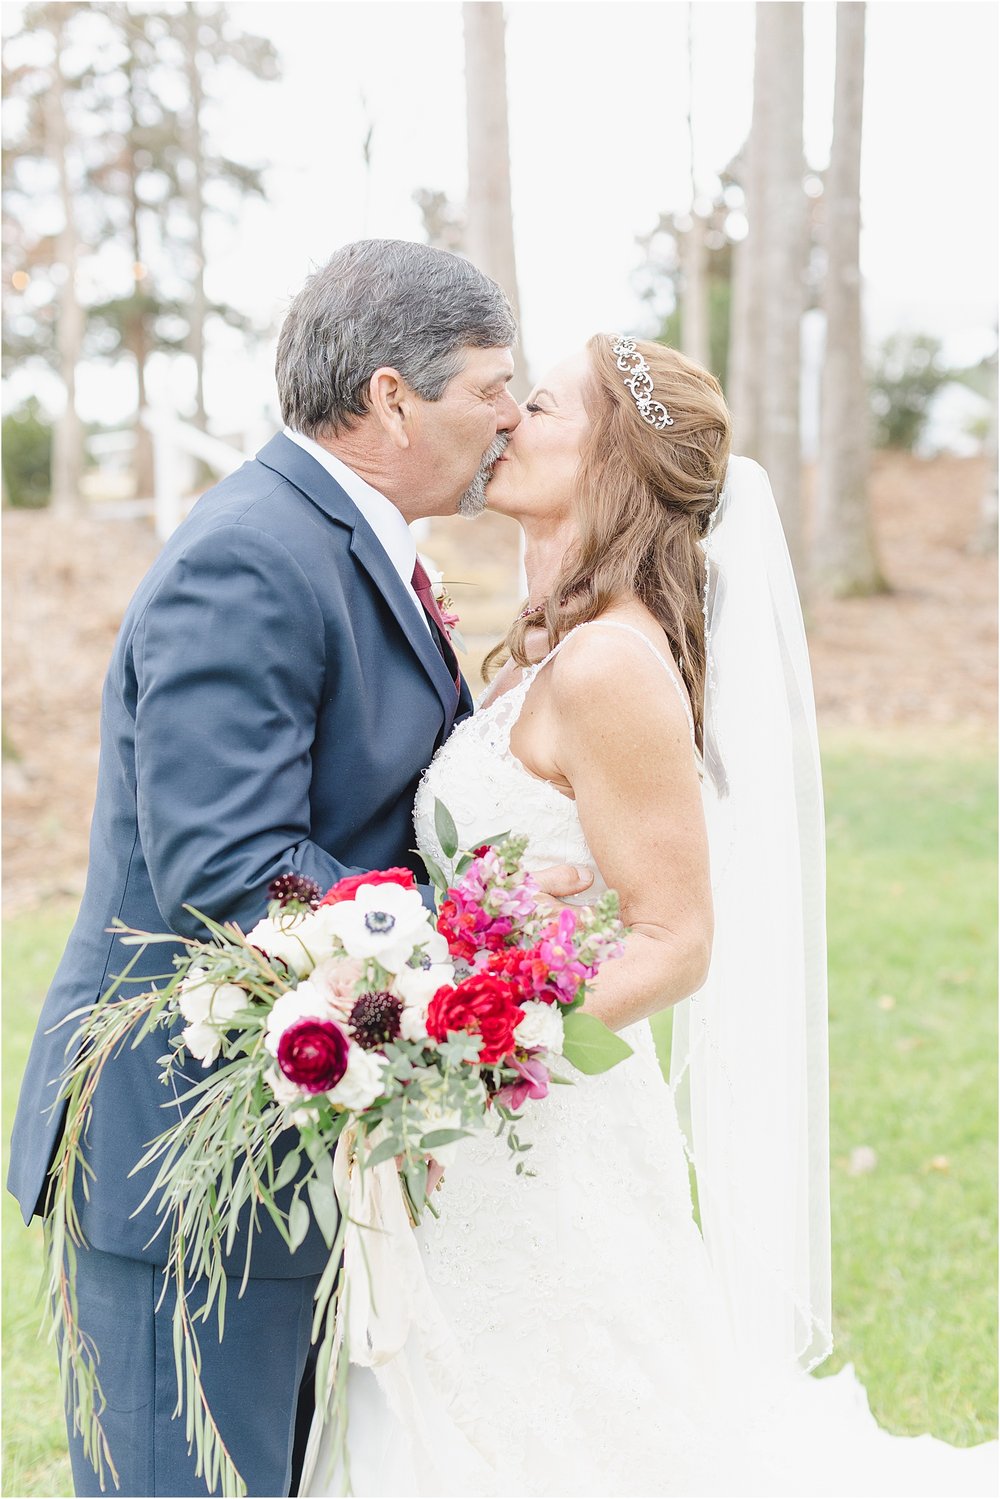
[
  {"x": 746, "y": 317},
  {"x": 694, "y": 300},
  {"x": 783, "y": 250},
  {"x": 135, "y": 333},
  {"x": 694, "y": 250},
  {"x": 67, "y": 440},
  {"x": 196, "y": 209},
  {"x": 489, "y": 220},
  {"x": 984, "y": 540},
  {"x": 845, "y": 559}
]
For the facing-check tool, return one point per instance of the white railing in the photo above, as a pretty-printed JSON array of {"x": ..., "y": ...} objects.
[
  {"x": 172, "y": 441},
  {"x": 175, "y": 443}
]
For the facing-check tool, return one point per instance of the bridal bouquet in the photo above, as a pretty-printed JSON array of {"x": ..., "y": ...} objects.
[{"x": 349, "y": 1034}]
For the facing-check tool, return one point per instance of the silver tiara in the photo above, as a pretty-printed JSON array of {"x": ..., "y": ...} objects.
[{"x": 640, "y": 383}]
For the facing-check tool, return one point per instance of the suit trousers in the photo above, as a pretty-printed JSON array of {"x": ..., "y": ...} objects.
[{"x": 251, "y": 1377}]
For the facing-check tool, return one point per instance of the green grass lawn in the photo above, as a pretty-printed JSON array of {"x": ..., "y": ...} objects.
[
  {"x": 912, "y": 886},
  {"x": 913, "y": 1038}
]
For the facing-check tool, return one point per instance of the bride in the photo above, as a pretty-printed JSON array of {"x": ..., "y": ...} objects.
[{"x": 577, "y": 1331}]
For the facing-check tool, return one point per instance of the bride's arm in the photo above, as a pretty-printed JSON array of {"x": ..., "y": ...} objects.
[{"x": 621, "y": 739}]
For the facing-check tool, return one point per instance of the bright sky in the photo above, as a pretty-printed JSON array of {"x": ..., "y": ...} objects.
[{"x": 598, "y": 99}]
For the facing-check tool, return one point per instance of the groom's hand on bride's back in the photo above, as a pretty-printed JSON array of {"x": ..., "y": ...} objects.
[{"x": 561, "y": 881}]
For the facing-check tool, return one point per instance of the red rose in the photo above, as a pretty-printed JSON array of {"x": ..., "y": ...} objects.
[
  {"x": 313, "y": 1055},
  {"x": 347, "y": 888},
  {"x": 482, "y": 1006}
]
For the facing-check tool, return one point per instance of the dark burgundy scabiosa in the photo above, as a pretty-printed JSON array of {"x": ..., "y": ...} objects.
[
  {"x": 313, "y": 1054},
  {"x": 375, "y": 1018},
  {"x": 295, "y": 890}
]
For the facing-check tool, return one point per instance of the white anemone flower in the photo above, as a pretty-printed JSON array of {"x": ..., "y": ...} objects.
[
  {"x": 418, "y": 986},
  {"x": 384, "y": 922},
  {"x": 435, "y": 949}
]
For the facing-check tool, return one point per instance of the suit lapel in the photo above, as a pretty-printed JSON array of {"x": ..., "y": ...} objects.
[
  {"x": 367, "y": 550},
  {"x": 296, "y": 465}
]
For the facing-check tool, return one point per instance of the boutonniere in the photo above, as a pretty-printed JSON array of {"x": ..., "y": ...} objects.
[{"x": 446, "y": 608}]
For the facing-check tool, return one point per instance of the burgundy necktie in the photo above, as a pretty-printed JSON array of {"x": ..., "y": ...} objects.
[{"x": 421, "y": 584}]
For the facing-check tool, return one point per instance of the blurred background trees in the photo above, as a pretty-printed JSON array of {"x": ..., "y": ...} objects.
[
  {"x": 110, "y": 185},
  {"x": 114, "y": 188},
  {"x": 741, "y": 269}
]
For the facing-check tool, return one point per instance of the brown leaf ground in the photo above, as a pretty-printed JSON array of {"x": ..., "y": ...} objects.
[{"x": 921, "y": 658}]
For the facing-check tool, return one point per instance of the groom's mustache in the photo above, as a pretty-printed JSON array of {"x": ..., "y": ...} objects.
[{"x": 473, "y": 501}]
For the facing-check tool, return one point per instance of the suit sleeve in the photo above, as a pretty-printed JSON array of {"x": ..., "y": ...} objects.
[{"x": 231, "y": 665}]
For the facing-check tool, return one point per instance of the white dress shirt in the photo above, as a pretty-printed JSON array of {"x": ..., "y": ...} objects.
[{"x": 392, "y": 531}]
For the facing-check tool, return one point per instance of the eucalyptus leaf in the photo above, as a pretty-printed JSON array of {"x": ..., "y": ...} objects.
[
  {"x": 444, "y": 826},
  {"x": 298, "y": 1224},
  {"x": 416, "y": 1180},
  {"x": 438, "y": 1137},
  {"x": 492, "y": 840},
  {"x": 287, "y": 1170},
  {"x": 382, "y": 1152},
  {"x": 324, "y": 1206},
  {"x": 589, "y": 1045},
  {"x": 437, "y": 875}
]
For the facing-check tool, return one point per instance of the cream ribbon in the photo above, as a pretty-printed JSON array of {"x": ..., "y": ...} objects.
[
  {"x": 384, "y": 1279},
  {"x": 392, "y": 1321}
]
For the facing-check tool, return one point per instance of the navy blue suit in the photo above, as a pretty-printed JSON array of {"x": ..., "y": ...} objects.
[{"x": 271, "y": 702}]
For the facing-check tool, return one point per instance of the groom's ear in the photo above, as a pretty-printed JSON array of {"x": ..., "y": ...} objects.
[{"x": 391, "y": 402}]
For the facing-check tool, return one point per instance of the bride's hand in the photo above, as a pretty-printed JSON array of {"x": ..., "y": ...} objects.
[{"x": 563, "y": 880}]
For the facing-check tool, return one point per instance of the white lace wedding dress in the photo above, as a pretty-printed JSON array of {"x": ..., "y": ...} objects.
[{"x": 586, "y": 1350}]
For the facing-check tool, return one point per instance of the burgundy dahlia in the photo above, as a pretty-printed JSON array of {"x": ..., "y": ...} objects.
[
  {"x": 295, "y": 889},
  {"x": 375, "y": 1019},
  {"x": 313, "y": 1054}
]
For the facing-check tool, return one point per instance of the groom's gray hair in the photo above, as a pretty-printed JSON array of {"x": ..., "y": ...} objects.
[{"x": 382, "y": 302}]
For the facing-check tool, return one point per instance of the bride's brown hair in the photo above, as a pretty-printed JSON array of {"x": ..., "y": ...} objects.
[{"x": 644, "y": 499}]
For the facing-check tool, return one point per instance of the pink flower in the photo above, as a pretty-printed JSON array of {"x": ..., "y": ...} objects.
[
  {"x": 337, "y": 981},
  {"x": 534, "y": 1084},
  {"x": 557, "y": 950},
  {"x": 486, "y": 906}
]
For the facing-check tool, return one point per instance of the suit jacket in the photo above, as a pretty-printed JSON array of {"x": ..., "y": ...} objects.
[{"x": 271, "y": 702}]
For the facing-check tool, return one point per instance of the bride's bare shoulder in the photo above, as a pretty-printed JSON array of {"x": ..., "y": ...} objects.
[{"x": 614, "y": 668}]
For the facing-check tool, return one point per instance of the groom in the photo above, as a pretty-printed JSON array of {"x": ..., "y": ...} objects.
[{"x": 281, "y": 679}]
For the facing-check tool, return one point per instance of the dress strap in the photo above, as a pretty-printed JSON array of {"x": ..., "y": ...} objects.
[{"x": 669, "y": 666}]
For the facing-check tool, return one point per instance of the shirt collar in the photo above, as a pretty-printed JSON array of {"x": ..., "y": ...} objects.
[{"x": 386, "y": 521}]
